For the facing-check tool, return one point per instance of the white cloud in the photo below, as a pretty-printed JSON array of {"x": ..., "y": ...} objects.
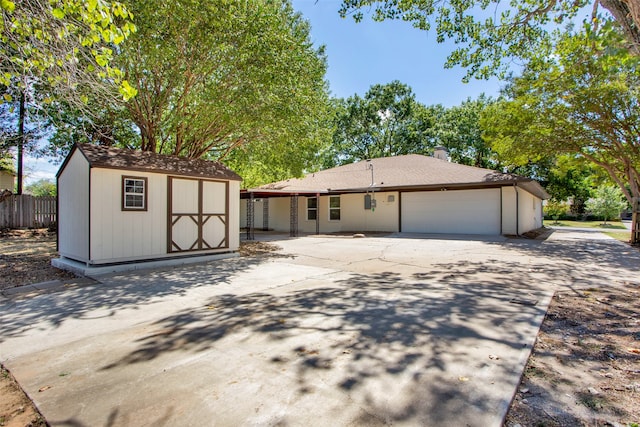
[{"x": 38, "y": 168}]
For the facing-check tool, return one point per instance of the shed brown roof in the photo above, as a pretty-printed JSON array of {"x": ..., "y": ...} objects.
[
  {"x": 144, "y": 161},
  {"x": 411, "y": 171}
]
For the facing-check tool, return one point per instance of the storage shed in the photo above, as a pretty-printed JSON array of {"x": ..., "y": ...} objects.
[{"x": 121, "y": 206}]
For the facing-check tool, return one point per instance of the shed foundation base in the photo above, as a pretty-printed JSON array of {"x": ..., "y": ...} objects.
[{"x": 83, "y": 269}]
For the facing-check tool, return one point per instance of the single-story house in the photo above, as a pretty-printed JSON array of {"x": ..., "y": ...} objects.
[
  {"x": 410, "y": 193},
  {"x": 122, "y": 206}
]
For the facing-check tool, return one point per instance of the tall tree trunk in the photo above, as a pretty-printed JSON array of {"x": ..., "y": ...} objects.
[
  {"x": 21, "y": 141},
  {"x": 627, "y": 14}
]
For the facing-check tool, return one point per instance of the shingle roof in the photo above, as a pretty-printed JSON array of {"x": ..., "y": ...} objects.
[
  {"x": 411, "y": 171},
  {"x": 144, "y": 161}
]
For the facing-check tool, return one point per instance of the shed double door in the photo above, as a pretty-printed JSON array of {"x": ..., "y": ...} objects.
[{"x": 198, "y": 215}]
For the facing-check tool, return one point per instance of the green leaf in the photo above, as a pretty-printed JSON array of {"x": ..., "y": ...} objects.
[
  {"x": 58, "y": 13},
  {"x": 7, "y": 5},
  {"x": 127, "y": 91}
]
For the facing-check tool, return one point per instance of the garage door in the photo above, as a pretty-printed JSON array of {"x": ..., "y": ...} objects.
[{"x": 457, "y": 212}]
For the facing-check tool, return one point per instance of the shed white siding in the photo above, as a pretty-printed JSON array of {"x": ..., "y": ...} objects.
[
  {"x": 454, "y": 211},
  {"x": 73, "y": 205},
  {"x": 7, "y": 181},
  {"x": 118, "y": 235},
  {"x": 234, "y": 215}
]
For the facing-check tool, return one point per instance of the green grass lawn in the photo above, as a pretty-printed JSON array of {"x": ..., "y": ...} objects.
[
  {"x": 623, "y": 236},
  {"x": 615, "y": 225}
]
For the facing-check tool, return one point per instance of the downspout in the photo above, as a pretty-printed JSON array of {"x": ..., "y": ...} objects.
[
  {"x": 318, "y": 213},
  {"x": 515, "y": 187},
  {"x": 501, "y": 213}
]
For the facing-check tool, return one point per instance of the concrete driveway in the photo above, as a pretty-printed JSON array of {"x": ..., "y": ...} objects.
[{"x": 396, "y": 330}]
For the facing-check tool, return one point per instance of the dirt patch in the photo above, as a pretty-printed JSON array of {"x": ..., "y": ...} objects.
[
  {"x": 16, "y": 410},
  {"x": 25, "y": 258},
  {"x": 585, "y": 366},
  {"x": 255, "y": 248},
  {"x": 539, "y": 233}
]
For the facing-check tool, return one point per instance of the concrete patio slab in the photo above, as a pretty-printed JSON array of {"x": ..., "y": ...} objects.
[{"x": 377, "y": 331}]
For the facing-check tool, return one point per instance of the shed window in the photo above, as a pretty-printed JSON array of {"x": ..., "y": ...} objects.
[
  {"x": 312, "y": 208},
  {"x": 134, "y": 193},
  {"x": 334, "y": 208}
]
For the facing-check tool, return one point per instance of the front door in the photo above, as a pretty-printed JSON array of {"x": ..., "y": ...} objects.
[{"x": 198, "y": 214}]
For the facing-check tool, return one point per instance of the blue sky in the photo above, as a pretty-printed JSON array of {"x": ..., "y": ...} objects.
[
  {"x": 367, "y": 53},
  {"x": 363, "y": 54}
]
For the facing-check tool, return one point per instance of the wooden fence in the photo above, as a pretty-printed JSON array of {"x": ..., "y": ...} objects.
[{"x": 28, "y": 211}]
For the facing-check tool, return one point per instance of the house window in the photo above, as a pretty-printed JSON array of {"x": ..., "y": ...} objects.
[
  {"x": 134, "y": 193},
  {"x": 312, "y": 208},
  {"x": 334, "y": 208}
]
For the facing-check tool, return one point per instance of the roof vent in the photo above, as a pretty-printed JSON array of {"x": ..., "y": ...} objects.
[{"x": 441, "y": 153}]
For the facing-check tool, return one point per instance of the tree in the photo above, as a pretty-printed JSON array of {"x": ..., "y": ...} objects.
[
  {"x": 42, "y": 187},
  {"x": 606, "y": 202},
  {"x": 584, "y": 101},
  {"x": 491, "y": 33},
  {"x": 20, "y": 127},
  {"x": 387, "y": 121},
  {"x": 214, "y": 76},
  {"x": 109, "y": 125},
  {"x": 61, "y": 48},
  {"x": 572, "y": 178},
  {"x": 458, "y": 130},
  {"x": 6, "y": 162},
  {"x": 64, "y": 43},
  {"x": 555, "y": 209}
]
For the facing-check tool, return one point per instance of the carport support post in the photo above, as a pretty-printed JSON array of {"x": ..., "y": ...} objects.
[
  {"x": 317, "y": 211},
  {"x": 250, "y": 217},
  {"x": 265, "y": 214}
]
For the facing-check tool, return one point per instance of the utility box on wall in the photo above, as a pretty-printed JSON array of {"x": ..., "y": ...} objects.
[{"x": 369, "y": 202}]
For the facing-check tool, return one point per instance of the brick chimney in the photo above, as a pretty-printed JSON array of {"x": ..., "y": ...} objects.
[{"x": 441, "y": 153}]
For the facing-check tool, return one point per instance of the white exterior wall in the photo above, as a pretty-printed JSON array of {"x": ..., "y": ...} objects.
[
  {"x": 526, "y": 217},
  {"x": 258, "y": 210},
  {"x": 279, "y": 213},
  {"x": 509, "y": 211},
  {"x": 73, "y": 205},
  {"x": 118, "y": 235},
  {"x": 233, "y": 216},
  {"x": 453, "y": 211},
  {"x": 353, "y": 216},
  {"x": 530, "y": 211}
]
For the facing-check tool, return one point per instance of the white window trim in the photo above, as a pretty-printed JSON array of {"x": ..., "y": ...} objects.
[
  {"x": 145, "y": 190},
  {"x": 339, "y": 209},
  {"x": 307, "y": 209}
]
